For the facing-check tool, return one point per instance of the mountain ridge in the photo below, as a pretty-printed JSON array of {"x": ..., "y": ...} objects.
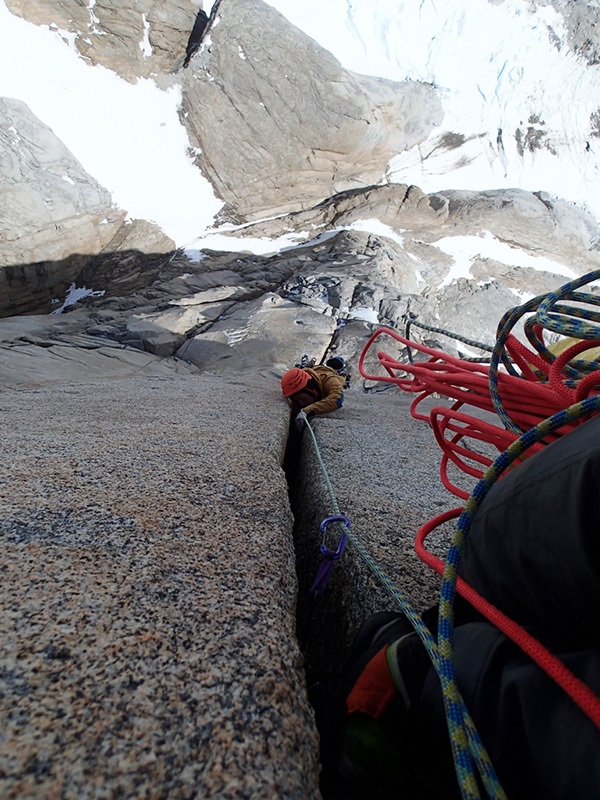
[{"x": 157, "y": 620}]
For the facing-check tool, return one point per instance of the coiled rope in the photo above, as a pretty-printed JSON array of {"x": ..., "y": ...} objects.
[
  {"x": 538, "y": 397},
  {"x": 521, "y": 386},
  {"x": 569, "y": 381}
]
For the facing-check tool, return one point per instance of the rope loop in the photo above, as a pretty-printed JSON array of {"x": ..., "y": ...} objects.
[{"x": 538, "y": 395}]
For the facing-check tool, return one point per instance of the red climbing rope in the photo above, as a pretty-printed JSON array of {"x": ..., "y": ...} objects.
[
  {"x": 536, "y": 394},
  {"x": 577, "y": 690},
  {"x": 536, "y": 386}
]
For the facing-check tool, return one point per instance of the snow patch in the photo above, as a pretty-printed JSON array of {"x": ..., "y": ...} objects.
[
  {"x": 365, "y": 314},
  {"x": 194, "y": 255},
  {"x": 464, "y": 249},
  {"x": 377, "y": 227},
  {"x": 258, "y": 246},
  {"x": 74, "y": 295},
  {"x": 145, "y": 45},
  {"x": 220, "y": 240}
]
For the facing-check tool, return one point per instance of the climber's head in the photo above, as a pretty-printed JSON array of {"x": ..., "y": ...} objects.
[
  {"x": 300, "y": 388},
  {"x": 294, "y": 381}
]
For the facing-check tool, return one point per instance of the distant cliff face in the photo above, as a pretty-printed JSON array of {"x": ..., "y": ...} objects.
[
  {"x": 281, "y": 125},
  {"x": 54, "y": 217},
  {"x": 582, "y": 21},
  {"x": 276, "y": 124},
  {"x": 47, "y": 200},
  {"x": 236, "y": 312},
  {"x": 295, "y": 145},
  {"x": 135, "y": 38}
]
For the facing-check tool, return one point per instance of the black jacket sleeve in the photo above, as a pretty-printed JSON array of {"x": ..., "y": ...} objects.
[{"x": 542, "y": 745}]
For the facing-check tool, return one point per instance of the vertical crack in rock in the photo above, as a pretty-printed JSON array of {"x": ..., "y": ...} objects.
[
  {"x": 322, "y": 623},
  {"x": 196, "y": 36}
]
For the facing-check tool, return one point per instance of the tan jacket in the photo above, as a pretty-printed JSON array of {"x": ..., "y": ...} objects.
[{"x": 331, "y": 386}]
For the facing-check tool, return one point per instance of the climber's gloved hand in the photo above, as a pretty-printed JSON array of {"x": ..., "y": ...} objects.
[{"x": 300, "y": 421}]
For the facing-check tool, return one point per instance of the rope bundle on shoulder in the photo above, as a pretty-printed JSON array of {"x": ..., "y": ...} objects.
[
  {"x": 521, "y": 386},
  {"x": 538, "y": 396}
]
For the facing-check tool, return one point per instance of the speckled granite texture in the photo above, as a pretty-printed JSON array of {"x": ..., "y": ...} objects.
[
  {"x": 384, "y": 470},
  {"x": 147, "y": 594},
  {"x": 148, "y": 581}
]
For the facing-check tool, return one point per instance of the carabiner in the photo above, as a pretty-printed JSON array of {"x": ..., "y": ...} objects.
[{"x": 333, "y": 555}]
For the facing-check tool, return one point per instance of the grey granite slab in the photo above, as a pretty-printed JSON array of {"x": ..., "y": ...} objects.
[{"x": 147, "y": 593}]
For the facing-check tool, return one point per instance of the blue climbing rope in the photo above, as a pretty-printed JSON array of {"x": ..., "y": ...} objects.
[
  {"x": 469, "y": 752},
  {"x": 550, "y": 313},
  {"x": 452, "y": 699}
]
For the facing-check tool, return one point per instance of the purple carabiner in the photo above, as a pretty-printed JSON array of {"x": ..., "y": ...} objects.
[{"x": 333, "y": 555}]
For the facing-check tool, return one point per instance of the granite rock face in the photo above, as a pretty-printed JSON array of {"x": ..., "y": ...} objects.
[
  {"x": 47, "y": 199},
  {"x": 135, "y": 38},
  {"x": 293, "y": 126},
  {"x": 531, "y": 221},
  {"x": 149, "y": 600},
  {"x": 147, "y": 615},
  {"x": 309, "y": 128},
  {"x": 583, "y": 27},
  {"x": 55, "y": 220},
  {"x": 396, "y": 205}
]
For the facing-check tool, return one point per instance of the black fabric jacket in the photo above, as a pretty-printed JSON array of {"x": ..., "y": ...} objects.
[{"x": 534, "y": 552}]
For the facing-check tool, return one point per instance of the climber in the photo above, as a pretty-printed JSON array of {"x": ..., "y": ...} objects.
[
  {"x": 313, "y": 390},
  {"x": 532, "y": 551},
  {"x": 196, "y": 35}
]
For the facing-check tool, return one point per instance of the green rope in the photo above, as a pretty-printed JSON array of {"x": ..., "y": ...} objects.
[
  {"x": 411, "y": 319},
  {"x": 452, "y": 698},
  {"x": 470, "y": 755}
]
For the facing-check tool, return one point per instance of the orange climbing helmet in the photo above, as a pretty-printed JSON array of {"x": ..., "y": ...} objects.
[{"x": 294, "y": 380}]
